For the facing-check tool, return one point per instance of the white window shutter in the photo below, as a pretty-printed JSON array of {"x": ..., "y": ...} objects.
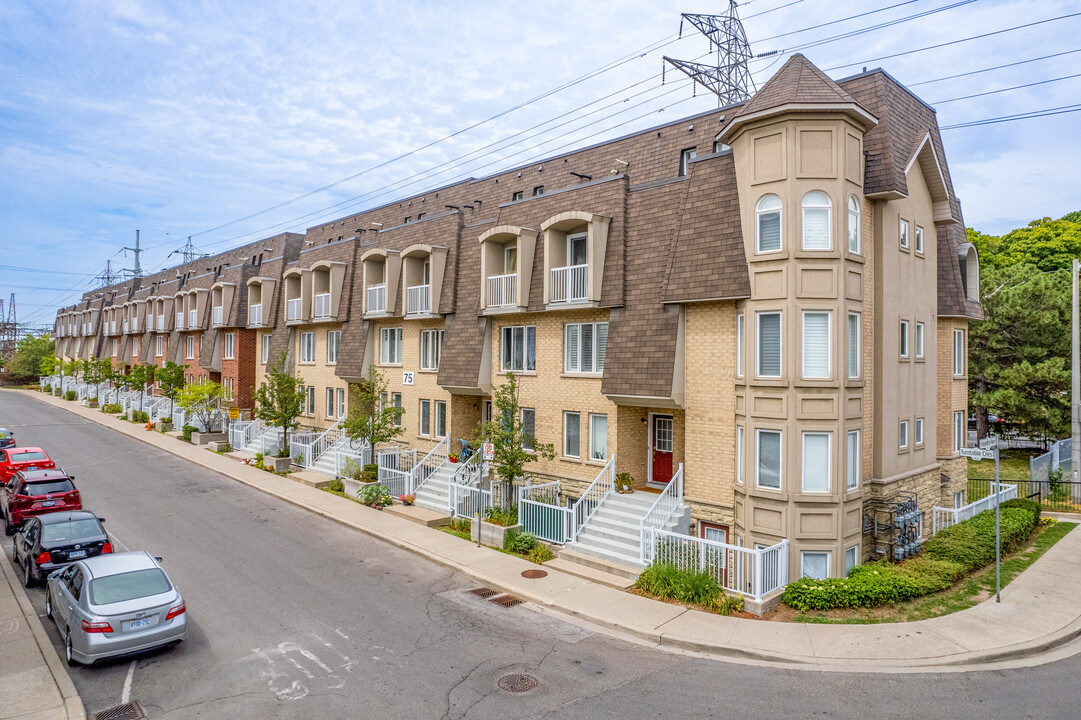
[
  {"x": 769, "y": 345},
  {"x": 816, "y": 350},
  {"x": 572, "y": 348},
  {"x": 602, "y": 345},
  {"x": 769, "y": 232}
]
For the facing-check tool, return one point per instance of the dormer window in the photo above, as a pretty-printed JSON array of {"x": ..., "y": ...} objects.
[
  {"x": 575, "y": 245},
  {"x": 255, "y": 304},
  {"x": 219, "y": 310},
  {"x": 569, "y": 283},
  {"x": 506, "y": 263},
  {"x": 321, "y": 290},
  {"x": 293, "y": 309}
]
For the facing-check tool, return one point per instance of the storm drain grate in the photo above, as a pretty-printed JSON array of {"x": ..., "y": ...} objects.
[
  {"x": 534, "y": 574},
  {"x": 484, "y": 592},
  {"x": 506, "y": 601},
  {"x": 127, "y": 711},
  {"x": 517, "y": 683}
]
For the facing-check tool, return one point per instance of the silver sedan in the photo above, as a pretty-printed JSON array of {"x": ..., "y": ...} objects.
[{"x": 113, "y": 605}]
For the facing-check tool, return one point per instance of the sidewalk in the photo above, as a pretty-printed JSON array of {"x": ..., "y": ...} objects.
[
  {"x": 986, "y": 634},
  {"x": 34, "y": 684}
]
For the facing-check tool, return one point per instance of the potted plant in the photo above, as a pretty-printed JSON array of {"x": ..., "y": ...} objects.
[
  {"x": 624, "y": 483},
  {"x": 407, "y": 499},
  {"x": 453, "y": 457},
  {"x": 375, "y": 496}
]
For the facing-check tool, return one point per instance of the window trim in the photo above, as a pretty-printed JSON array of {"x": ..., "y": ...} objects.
[
  {"x": 264, "y": 349},
  {"x": 592, "y": 417},
  {"x": 902, "y": 435},
  {"x": 958, "y": 353},
  {"x": 852, "y": 471},
  {"x": 903, "y": 234},
  {"x": 903, "y": 349},
  {"x": 686, "y": 155},
  {"x": 388, "y": 336},
  {"x": 758, "y": 432},
  {"x": 595, "y": 359},
  {"x": 337, "y": 335},
  {"x": 828, "y": 207},
  {"x": 740, "y": 438},
  {"x": 758, "y": 344},
  {"x": 504, "y": 368},
  {"x": 854, "y": 345},
  {"x": 228, "y": 350},
  {"x": 566, "y": 415},
  {"x": 758, "y": 213},
  {"x": 917, "y": 433},
  {"x": 918, "y": 240},
  {"x": 829, "y": 461},
  {"x": 829, "y": 562},
  {"x": 740, "y": 330},
  {"x": 856, "y": 557},
  {"x": 434, "y": 349},
  {"x": 920, "y": 334},
  {"x": 521, "y": 419},
  {"x": 307, "y": 358},
  {"x": 960, "y": 433},
  {"x": 858, "y": 213},
  {"x": 829, "y": 345},
  {"x": 440, "y": 415},
  {"x": 424, "y": 426},
  {"x": 330, "y": 403}
]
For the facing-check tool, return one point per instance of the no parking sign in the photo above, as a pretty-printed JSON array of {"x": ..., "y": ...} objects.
[{"x": 488, "y": 451}]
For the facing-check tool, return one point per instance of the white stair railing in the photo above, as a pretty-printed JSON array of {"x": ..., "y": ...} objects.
[
  {"x": 467, "y": 501},
  {"x": 431, "y": 462},
  {"x": 396, "y": 470},
  {"x": 348, "y": 460},
  {"x": 661, "y": 512},
  {"x": 601, "y": 487},
  {"x": 238, "y": 433},
  {"x": 752, "y": 572}
]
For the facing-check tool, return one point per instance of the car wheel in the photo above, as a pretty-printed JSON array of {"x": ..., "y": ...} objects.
[
  {"x": 48, "y": 604},
  {"x": 9, "y": 529},
  {"x": 67, "y": 651},
  {"x": 28, "y": 576}
]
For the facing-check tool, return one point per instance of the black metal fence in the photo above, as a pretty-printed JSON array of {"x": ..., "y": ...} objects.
[{"x": 1060, "y": 496}]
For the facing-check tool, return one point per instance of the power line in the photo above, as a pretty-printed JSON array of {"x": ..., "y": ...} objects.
[
  {"x": 834, "y": 22},
  {"x": 996, "y": 67},
  {"x": 954, "y": 42},
  {"x": 1062, "y": 110},
  {"x": 1002, "y": 90}
]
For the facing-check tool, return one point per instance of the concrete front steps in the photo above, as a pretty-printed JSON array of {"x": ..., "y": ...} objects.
[
  {"x": 610, "y": 541},
  {"x": 435, "y": 493}
]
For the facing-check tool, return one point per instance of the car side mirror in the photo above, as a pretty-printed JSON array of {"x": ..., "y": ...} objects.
[
  {"x": 157, "y": 558},
  {"x": 101, "y": 519}
]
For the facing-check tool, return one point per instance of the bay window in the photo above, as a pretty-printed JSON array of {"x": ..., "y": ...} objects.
[
  {"x": 768, "y": 459},
  {"x": 816, "y": 345},
  {"x": 816, "y": 462}
]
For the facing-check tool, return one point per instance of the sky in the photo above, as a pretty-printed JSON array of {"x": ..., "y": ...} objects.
[{"x": 227, "y": 121}]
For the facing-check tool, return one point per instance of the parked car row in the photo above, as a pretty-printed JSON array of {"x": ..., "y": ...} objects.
[{"x": 104, "y": 604}]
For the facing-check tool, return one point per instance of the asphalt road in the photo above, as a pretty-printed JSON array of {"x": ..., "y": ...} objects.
[{"x": 293, "y": 616}]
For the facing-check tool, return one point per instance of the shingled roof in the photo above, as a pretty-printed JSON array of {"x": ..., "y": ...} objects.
[{"x": 798, "y": 81}]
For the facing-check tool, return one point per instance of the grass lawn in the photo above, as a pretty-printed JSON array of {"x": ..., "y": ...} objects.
[
  {"x": 968, "y": 592},
  {"x": 1013, "y": 466}
]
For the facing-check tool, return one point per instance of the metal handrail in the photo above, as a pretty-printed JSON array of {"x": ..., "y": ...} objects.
[
  {"x": 661, "y": 511},
  {"x": 431, "y": 462},
  {"x": 601, "y": 487}
]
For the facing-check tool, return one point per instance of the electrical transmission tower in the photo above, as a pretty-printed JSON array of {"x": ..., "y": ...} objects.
[
  {"x": 137, "y": 271},
  {"x": 9, "y": 328},
  {"x": 189, "y": 252},
  {"x": 729, "y": 79},
  {"x": 107, "y": 277}
]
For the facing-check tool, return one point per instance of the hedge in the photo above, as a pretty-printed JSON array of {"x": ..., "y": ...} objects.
[{"x": 946, "y": 558}]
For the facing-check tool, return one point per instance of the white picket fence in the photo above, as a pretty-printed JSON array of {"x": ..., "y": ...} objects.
[
  {"x": 945, "y": 517},
  {"x": 753, "y": 573}
]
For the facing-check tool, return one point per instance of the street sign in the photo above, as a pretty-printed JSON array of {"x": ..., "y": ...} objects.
[
  {"x": 977, "y": 453},
  {"x": 489, "y": 451},
  {"x": 407, "y": 378},
  {"x": 988, "y": 442},
  {"x": 234, "y": 413}
]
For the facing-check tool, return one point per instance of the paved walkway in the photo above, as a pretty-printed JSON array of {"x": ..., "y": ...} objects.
[
  {"x": 34, "y": 684},
  {"x": 1039, "y": 611}
]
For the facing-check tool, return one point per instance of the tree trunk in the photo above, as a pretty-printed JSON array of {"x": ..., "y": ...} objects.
[{"x": 981, "y": 412}]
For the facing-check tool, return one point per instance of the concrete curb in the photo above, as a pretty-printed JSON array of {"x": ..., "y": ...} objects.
[
  {"x": 970, "y": 660},
  {"x": 73, "y": 704}
]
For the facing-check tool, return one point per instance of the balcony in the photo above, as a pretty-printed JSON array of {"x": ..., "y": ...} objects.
[
  {"x": 322, "y": 305},
  {"x": 161, "y": 322},
  {"x": 135, "y": 324},
  {"x": 255, "y": 314},
  {"x": 193, "y": 319},
  {"x": 218, "y": 314},
  {"x": 150, "y": 323},
  {"x": 292, "y": 310},
  {"x": 124, "y": 325},
  {"x": 569, "y": 283},
  {"x": 112, "y": 327},
  {"x": 180, "y": 320},
  {"x": 377, "y": 299},
  {"x": 418, "y": 299},
  {"x": 503, "y": 290}
]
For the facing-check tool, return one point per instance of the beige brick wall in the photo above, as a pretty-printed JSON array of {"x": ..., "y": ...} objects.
[
  {"x": 952, "y": 391},
  {"x": 318, "y": 374},
  {"x": 929, "y": 492}
]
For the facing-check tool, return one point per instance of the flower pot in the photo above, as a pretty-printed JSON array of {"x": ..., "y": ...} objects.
[{"x": 627, "y": 491}]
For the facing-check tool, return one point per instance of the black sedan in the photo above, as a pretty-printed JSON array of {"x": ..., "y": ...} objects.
[
  {"x": 7, "y": 439},
  {"x": 52, "y": 541}
]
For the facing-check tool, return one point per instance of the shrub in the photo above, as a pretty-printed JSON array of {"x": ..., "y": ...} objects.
[
  {"x": 112, "y": 408},
  {"x": 283, "y": 453},
  {"x": 140, "y": 416},
  {"x": 49, "y": 389},
  {"x": 376, "y": 496},
  {"x": 369, "y": 473},
  {"x": 460, "y": 525},
  {"x": 971, "y": 543},
  {"x": 669, "y": 582},
  {"x": 188, "y": 430},
  {"x": 624, "y": 481},
  {"x": 519, "y": 542},
  {"x": 540, "y": 553},
  {"x": 336, "y": 485},
  {"x": 1031, "y": 505},
  {"x": 502, "y": 516},
  {"x": 70, "y": 395}
]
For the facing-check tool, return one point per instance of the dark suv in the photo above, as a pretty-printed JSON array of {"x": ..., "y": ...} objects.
[{"x": 36, "y": 492}]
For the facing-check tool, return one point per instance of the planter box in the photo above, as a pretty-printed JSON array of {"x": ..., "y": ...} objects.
[
  {"x": 164, "y": 425},
  {"x": 202, "y": 438},
  {"x": 352, "y": 487},
  {"x": 490, "y": 533},
  {"x": 130, "y": 414},
  {"x": 91, "y": 402},
  {"x": 279, "y": 464},
  {"x": 219, "y": 446}
]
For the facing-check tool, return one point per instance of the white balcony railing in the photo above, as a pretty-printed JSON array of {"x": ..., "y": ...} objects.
[
  {"x": 503, "y": 290},
  {"x": 124, "y": 325},
  {"x": 180, "y": 320},
  {"x": 135, "y": 324},
  {"x": 322, "y": 305},
  {"x": 377, "y": 298},
  {"x": 417, "y": 299},
  {"x": 292, "y": 310},
  {"x": 255, "y": 314},
  {"x": 161, "y": 322},
  {"x": 569, "y": 283},
  {"x": 150, "y": 322},
  {"x": 112, "y": 327},
  {"x": 193, "y": 319},
  {"x": 218, "y": 314}
]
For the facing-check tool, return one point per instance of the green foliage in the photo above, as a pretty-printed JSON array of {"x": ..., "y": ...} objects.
[
  {"x": 368, "y": 419},
  {"x": 188, "y": 430},
  {"x": 140, "y": 416},
  {"x": 624, "y": 481},
  {"x": 668, "y": 582},
  {"x": 1046, "y": 243},
  {"x": 282, "y": 453},
  {"x": 505, "y": 431},
  {"x": 502, "y": 516},
  {"x": 946, "y": 558},
  {"x": 460, "y": 525},
  {"x": 70, "y": 395},
  {"x": 171, "y": 380},
  {"x": 92, "y": 371},
  {"x": 141, "y": 376},
  {"x": 31, "y": 355},
  {"x": 369, "y": 473},
  {"x": 519, "y": 542},
  {"x": 1031, "y": 505},
  {"x": 336, "y": 485},
  {"x": 280, "y": 398},
  {"x": 112, "y": 408},
  {"x": 540, "y": 553},
  {"x": 376, "y": 496},
  {"x": 202, "y": 401}
]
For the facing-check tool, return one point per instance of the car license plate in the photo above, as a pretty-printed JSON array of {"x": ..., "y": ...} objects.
[
  {"x": 48, "y": 503},
  {"x": 76, "y": 554},
  {"x": 139, "y": 623},
  {"x": 32, "y": 467}
]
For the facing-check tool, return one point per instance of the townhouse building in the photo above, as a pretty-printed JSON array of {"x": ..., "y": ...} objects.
[{"x": 769, "y": 301}]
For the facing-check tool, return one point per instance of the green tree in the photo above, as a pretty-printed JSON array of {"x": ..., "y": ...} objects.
[
  {"x": 370, "y": 418},
  {"x": 171, "y": 379},
  {"x": 506, "y": 432},
  {"x": 1018, "y": 355},
  {"x": 49, "y": 365},
  {"x": 72, "y": 368},
  {"x": 25, "y": 362},
  {"x": 202, "y": 401},
  {"x": 1048, "y": 244},
  {"x": 280, "y": 398},
  {"x": 95, "y": 371},
  {"x": 141, "y": 375}
]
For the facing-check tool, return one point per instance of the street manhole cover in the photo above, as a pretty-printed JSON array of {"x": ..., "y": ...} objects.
[
  {"x": 506, "y": 601},
  {"x": 534, "y": 574},
  {"x": 517, "y": 683},
  {"x": 484, "y": 592},
  {"x": 127, "y": 711}
]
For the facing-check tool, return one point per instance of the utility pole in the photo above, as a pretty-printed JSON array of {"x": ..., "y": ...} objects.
[
  {"x": 137, "y": 271},
  {"x": 189, "y": 252},
  {"x": 1075, "y": 382},
  {"x": 729, "y": 79},
  {"x": 108, "y": 277}
]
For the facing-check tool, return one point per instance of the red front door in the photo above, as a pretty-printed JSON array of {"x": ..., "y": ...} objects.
[{"x": 662, "y": 449}]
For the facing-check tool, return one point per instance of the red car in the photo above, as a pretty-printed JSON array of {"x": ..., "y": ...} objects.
[
  {"x": 36, "y": 492},
  {"x": 12, "y": 460}
]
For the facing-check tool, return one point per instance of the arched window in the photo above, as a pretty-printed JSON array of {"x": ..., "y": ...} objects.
[
  {"x": 768, "y": 224},
  {"x": 853, "y": 225},
  {"x": 816, "y": 222}
]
